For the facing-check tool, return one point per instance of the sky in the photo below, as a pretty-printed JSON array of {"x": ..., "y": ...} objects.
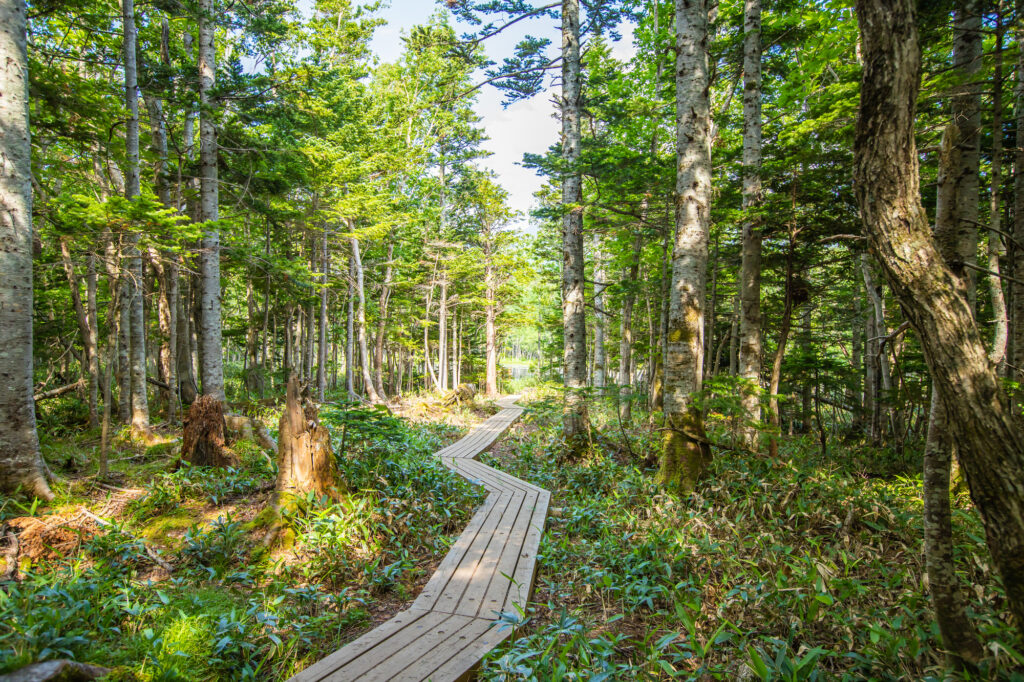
[{"x": 526, "y": 126}]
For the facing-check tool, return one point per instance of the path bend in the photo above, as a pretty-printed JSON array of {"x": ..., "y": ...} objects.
[{"x": 490, "y": 569}]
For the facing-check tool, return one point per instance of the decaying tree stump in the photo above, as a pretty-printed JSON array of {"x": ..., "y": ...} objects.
[
  {"x": 305, "y": 460},
  {"x": 304, "y": 457},
  {"x": 202, "y": 443},
  {"x": 461, "y": 393}
]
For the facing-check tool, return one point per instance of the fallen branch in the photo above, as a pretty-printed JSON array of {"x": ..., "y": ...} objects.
[
  {"x": 158, "y": 383},
  {"x": 55, "y": 392}
]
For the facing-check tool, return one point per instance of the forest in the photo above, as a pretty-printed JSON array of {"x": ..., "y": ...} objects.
[{"x": 294, "y": 386}]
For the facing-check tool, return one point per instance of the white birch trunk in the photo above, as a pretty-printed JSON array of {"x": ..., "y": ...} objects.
[
  {"x": 21, "y": 465},
  {"x": 686, "y": 453},
  {"x": 211, "y": 359},
  {"x": 750, "y": 269},
  {"x": 364, "y": 356}
]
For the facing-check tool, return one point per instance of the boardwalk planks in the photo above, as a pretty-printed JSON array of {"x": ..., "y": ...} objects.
[{"x": 490, "y": 569}]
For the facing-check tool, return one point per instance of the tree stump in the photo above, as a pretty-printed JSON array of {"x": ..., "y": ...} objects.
[
  {"x": 305, "y": 460},
  {"x": 461, "y": 393},
  {"x": 202, "y": 443}
]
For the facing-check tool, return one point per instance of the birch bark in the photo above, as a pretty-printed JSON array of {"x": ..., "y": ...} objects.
[
  {"x": 685, "y": 452},
  {"x": 21, "y": 465},
  {"x": 750, "y": 268}
]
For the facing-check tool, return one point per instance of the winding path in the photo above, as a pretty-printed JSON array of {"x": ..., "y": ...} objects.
[{"x": 489, "y": 570}]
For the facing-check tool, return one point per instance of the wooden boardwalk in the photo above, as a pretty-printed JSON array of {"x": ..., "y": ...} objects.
[{"x": 489, "y": 570}]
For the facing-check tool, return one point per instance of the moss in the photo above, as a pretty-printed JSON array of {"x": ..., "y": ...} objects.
[
  {"x": 161, "y": 449},
  {"x": 159, "y": 529},
  {"x": 262, "y": 520},
  {"x": 685, "y": 454}
]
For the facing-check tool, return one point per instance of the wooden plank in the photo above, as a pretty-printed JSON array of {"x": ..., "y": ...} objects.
[
  {"x": 452, "y": 647},
  {"x": 496, "y": 477},
  {"x": 469, "y": 658},
  {"x": 498, "y": 590},
  {"x": 476, "y": 472},
  {"x": 433, "y": 591},
  {"x": 325, "y": 666},
  {"x": 472, "y": 600},
  {"x": 450, "y": 626},
  {"x": 409, "y": 656},
  {"x": 526, "y": 566},
  {"x": 448, "y": 600},
  {"x": 366, "y": 661}
]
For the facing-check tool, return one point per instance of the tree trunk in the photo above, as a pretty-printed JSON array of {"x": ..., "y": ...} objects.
[
  {"x": 989, "y": 436},
  {"x": 575, "y": 421},
  {"x": 202, "y": 440},
  {"x": 187, "y": 389},
  {"x": 491, "y": 336},
  {"x": 600, "y": 355},
  {"x": 442, "y": 333},
  {"x": 21, "y": 465},
  {"x": 321, "y": 364},
  {"x": 995, "y": 239},
  {"x": 780, "y": 347},
  {"x": 211, "y": 359},
  {"x": 1017, "y": 261},
  {"x": 350, "y": 387},
  {"x": 167, "y": 273},
  {"x": 96, "y": 383},
  {"x": 382, "y": 322},
  {"x": 136, "y": 316},
  {"x": 364, "y": 357},
  {"x": 967, "y": 50},
  {"x": 878, "y": 358},
  {"x": 84, "y": 328},
  {"x": 856, "y": 397},
  {"x": 959, "y": 636},
  {"x": 750, "y": 269},
  {"x": 626, "y": 326},
  {"x": 686, "y": 453}
]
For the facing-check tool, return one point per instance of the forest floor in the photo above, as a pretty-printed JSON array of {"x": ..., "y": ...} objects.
[
  {"x": 804, "y": 568},
  {"x": 159, "y": 572},
  {"x": 808, "y": 567}
]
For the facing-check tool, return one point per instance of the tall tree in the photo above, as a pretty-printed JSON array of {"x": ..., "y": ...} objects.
[
  {"x": 211, "y": 360},
  {"x": 749, "y": 358},
  {"x": 133, "y": 282},
  {"x": 685, "y": 452},
  {"x": 21, "y": 464},
  {"x": 575, "y": 420},
  {"x": 989, "y": 434}
]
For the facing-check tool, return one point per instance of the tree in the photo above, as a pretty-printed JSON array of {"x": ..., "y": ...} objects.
[
  {"x": 21, "y": 464},
  {"x": 685, "y": 450},
  {"x": 133, "y": 280},
  {"x": 211, "y": 359},
  {"x": 575, "y": 421},
  {"x": 750, "y": 274},
  {"x": 990, "y": 436}
]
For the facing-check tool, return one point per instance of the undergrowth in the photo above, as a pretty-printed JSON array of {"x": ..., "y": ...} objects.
[
  {"x": 232, "y": 609},
  {"x": 796, "y": 569}
]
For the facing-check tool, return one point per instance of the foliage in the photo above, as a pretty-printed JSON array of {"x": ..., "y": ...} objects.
[{"x": 800, "y": 569}]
